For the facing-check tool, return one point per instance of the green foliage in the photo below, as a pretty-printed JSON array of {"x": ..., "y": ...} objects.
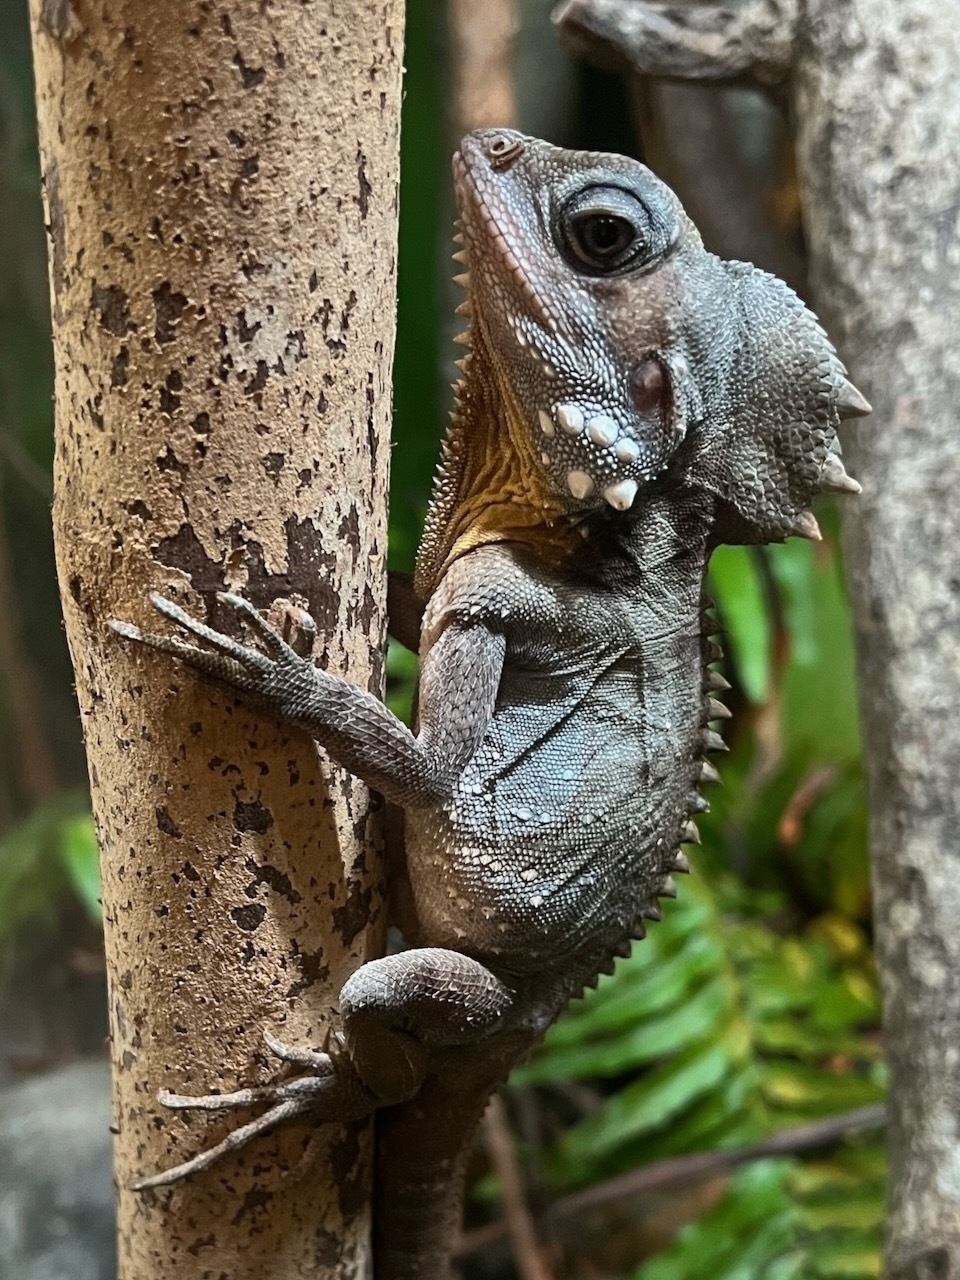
[
  {"x": 717, "y": 1031},
  {"x": 419, "y": 393},
  {"x": 50, "y": 854},
  {"x": 80, "y": 853},
  {"x": 402, "y": 668},
  {"x": 758, "y": 1031},
  {"x": 784, "y": 1220},
  {"x": 792, "y": 811}
]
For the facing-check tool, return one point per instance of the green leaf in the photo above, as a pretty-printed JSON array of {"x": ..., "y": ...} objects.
[
  {"x": 809, "y": 1091},
  {"x": 854, "y": 1258},
  {"x": 735, "y": 585},
  {"x": 849, "y": 1213},
  {"x": 821, "y": 671},
  {"x": 81, "y": 857},
  {"x": 651, "y": 1102},
  {"x": 638, "y": 993},
  {"x": 34, "y": 874},
  {"x": 403, "y": 668},
  {"x": 740, "y": 1238},
  {"x": 699, "y": 1015}
]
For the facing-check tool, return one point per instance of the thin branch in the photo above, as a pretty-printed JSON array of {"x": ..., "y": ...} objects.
[
  {"x": 518, "y": 1221},
  {"x": 677, "y": 1169}
]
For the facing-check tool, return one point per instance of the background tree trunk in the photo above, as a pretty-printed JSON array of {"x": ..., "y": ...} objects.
[
  {"x": 220, "y": 189},
  {"x": 876, "y": 100}
]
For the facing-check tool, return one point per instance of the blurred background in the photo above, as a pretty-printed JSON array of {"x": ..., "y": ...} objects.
[{"x": 718, "y": 1097}]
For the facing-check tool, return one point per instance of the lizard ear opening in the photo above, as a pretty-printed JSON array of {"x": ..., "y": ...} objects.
[{"x": 768, "y": 444}]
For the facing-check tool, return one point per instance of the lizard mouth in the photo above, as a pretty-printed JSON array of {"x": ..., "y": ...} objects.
[{"x": 592, "y": 453}]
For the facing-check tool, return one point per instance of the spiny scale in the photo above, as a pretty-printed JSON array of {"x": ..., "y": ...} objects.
[
  {"x": 851, "y": 403},
  {"x": 805, "y": 526},
  {"x": 717, "y": 710},
  {"x": 708, "y": 773},
  {"x": 834, "y": 476}
]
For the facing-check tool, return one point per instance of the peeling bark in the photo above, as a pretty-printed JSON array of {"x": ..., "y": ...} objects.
[
  {"x": 876, "y": 99},
  {"x": 220, "y": 186}
]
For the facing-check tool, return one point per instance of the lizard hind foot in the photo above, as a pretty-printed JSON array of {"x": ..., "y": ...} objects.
[
  {"x": 282, "y": 1113},
  {"x": 329, "y": 1092}
]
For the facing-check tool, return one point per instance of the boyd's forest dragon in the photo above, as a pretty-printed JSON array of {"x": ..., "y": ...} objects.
[{"x": 628, "y": 402}]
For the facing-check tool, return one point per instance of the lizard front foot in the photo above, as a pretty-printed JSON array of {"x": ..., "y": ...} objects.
[
  {"x": 270, "y": 677},
  {"x": 331, "y": 1092}
]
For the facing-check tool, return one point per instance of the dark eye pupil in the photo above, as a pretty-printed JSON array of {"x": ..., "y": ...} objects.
[{"x": 605, "y": 235}]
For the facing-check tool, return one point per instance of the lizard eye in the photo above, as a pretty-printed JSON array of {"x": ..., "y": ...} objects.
[
  {"x": 601, "y": 238},
  {"x": 606, "y": 231}
]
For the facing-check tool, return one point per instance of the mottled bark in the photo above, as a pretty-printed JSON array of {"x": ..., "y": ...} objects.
[
  {"x": 220, "y": 186},
  {"x": 878, "y": 146},
  {"x": 876, "y": 99},
  {"x": 727, "y": 153}
]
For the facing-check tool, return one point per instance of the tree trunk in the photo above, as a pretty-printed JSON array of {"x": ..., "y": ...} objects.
[
  {"x": 876, "y": 99},
  {"x": 221, "y": 194},
  {"x": 878, "y": 140}
]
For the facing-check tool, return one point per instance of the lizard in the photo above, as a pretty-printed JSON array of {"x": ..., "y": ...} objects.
[{"x": 628, "y": 402}]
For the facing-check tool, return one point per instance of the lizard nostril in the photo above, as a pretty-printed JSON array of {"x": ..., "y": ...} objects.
[{"x": 502, "y": 150}]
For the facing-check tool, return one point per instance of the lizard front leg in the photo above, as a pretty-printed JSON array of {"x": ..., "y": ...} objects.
[
  {"x": 458, "y": 686},
  {"x": 398, "y": 1010}
]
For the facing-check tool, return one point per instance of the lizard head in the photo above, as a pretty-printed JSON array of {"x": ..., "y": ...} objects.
[
  {"x": 610, "y": 352},
  {"x": 575, "y": 274}
]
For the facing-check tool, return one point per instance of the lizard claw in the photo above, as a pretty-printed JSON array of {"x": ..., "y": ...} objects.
[
  {"x": 215, "y": 639},
  {"x": 282, "y": 1113},
  {"x": 271, "y": 638},
  {"x": 241, "y": 666},
  {"x": 298, "y": 1057},
  {"x": 315, "y": 1095}
]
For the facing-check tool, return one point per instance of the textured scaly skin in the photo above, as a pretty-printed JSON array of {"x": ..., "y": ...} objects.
[{"x": 629, "y": 401}]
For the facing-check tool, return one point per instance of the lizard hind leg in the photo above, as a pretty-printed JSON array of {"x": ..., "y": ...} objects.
[
  {"x": 394, "y": 1011},
  {"x": 398, "y": 1008}
]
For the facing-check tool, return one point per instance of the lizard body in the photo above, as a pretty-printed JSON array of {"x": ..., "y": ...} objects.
[{"x": 628, "y": 402}]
